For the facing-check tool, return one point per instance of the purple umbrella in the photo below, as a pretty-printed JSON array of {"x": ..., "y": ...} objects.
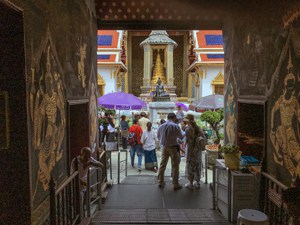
[
  {"x": 121, "y": 101},
  {"x": 182, "y": 105},
  {"x": 213, "y": 101}
]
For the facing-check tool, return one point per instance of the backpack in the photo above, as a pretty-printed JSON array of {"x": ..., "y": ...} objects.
[
  {"x": 132, "y": 139},
  {"x": 200, "y": 143}
]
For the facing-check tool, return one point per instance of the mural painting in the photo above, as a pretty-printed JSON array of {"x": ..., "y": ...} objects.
[
  {"x": 285, "y": 121},
  {"x": 230, "y": 115},
  {"x": 93, "y": 111},
  {"x": 81, "y": 67},
  {"x": 47, "y": 105}
]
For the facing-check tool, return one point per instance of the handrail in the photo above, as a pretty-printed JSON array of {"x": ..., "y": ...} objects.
[
  {"x": 281, "y": 185},
  {"x": 272, "y": 204},
  {"x": 90, "y": 185},
  {"x": 66, "y": 182},
  {"x": 65, "y": 205}
]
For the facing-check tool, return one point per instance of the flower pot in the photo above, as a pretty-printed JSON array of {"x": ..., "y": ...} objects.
[
  {"x": 212, "y": 155},
  {"x": 232, "y": 160}
]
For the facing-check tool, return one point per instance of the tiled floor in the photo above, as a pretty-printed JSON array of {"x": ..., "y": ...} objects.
[{"x": 139, "y": 200}]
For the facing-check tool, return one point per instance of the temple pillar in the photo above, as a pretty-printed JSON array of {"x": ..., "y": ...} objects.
[
  {"x": 169, "y": 65},
  {"x": 147, "y": 65}
]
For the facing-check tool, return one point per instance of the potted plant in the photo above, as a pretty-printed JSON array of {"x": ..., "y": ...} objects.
[
  {"x": 214, "y": 119},
  {"x": 231, "y": 155}
]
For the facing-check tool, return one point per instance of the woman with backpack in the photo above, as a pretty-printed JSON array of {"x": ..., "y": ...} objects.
[{"x": 148, "y": 140}]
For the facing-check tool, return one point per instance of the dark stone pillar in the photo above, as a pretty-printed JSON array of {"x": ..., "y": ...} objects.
[{"x": 14, "y": 154}]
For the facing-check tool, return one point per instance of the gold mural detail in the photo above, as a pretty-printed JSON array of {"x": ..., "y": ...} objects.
[
  {"x": 93, "y": 115},
  {"x": 49, "y": 128},
  {"x": 291, "y": 16},
  {"x": 230, "y": 112},
  {"x": 80, "y": 65},
  {"x": 283, "y": 133}
]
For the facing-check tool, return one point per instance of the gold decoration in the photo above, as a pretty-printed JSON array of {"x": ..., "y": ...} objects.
[
  {"x": 284, "y": 136},
  {"x": 218, "y": 81},
  {"x": 93, "y": 115},
  {"x": 80, "y": 66},
  {"x": 101, "y": 81},
  {"x": 158, "y": 71},
  {"x": 48, "y": 127}
]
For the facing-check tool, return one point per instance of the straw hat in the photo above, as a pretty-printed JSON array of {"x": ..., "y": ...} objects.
[{"x": 188, "y": 118}]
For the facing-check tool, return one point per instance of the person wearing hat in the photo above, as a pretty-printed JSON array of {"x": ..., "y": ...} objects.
[
  {"x": 143, "y": 121},
  {"x": 193, "y": 159}
]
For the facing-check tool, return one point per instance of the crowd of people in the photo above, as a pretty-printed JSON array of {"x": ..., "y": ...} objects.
[{"x": 178, "y": 136}]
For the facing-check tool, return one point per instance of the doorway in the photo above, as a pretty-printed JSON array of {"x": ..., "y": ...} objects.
[{"x": 78, "y": 127}]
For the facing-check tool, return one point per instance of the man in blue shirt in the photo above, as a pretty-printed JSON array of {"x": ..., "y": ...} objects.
[{"x": 168, "y": 133}]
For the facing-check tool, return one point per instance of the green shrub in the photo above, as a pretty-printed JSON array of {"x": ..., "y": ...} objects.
[{"x": 229, "y": 148}]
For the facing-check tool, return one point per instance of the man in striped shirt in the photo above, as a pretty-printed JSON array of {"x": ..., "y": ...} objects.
[{"x": 167, "y": 134}]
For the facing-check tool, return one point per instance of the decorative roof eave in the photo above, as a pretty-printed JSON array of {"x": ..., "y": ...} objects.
[
  {"x": 214, "y": 50},
  {"x": 205, "y": 63},
  {"x": 109, "y": 50},
  {"x": 123, "y": 67},
  {"x": 219, "y": 79},
  {"x": 158, "y": 37}
]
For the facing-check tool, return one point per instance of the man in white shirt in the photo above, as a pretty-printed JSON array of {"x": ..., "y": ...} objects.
[{"x": 143, "y": 121}]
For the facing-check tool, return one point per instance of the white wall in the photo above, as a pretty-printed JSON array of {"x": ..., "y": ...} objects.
[
  {"x": 206, "y": 87},
  {"x": 107, "y": 73}
]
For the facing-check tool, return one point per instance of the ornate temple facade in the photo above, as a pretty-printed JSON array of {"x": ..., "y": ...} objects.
[
  {"x": 111, "y": 63},
  {"x": 190, "y": 66}
]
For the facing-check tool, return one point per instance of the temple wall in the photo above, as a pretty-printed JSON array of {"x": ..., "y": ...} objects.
[
  {"x": 262, "y": 87},
  {"x": 60, "y": 40},
  {"x": 212, "y": 72},
  {"x": 108, "y": 75}
]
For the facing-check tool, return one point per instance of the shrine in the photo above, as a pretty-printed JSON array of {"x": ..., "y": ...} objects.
[{"x": 158, "y": 65}]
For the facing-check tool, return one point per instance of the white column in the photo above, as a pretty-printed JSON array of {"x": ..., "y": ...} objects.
[
  {"x": 147, "y": 65},
  {"x": 169, "y": 69}
]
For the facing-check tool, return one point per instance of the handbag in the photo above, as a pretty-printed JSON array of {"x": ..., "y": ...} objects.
[{"x": 124, "y": 133}]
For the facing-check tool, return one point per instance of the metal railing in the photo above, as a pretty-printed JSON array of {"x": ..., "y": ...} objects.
[
  {"x": 273, "y": 205},
  {"x": 226, "y": 186},
  {"x": 93, "y": 192},
  {"x": 65, "y": 201}
]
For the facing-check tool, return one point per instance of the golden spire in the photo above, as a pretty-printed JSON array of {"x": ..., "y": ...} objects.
[{"x": 158, "y": 71}]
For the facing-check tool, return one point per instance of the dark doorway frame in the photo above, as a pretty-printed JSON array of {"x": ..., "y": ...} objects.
[{"x": 78, "y": 126}]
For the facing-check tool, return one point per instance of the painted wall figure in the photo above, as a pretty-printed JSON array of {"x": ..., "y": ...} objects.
[
  {"x": 81, "y": 68},
  {"x": 284, "y": 135},
  {"x": 230, "y": 111},
  {"x": 93, "y": 116},
  {"x": 49, "y": 128}
]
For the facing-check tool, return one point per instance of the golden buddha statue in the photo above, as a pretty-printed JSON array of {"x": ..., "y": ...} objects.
[{"x": 158, "y": 71}]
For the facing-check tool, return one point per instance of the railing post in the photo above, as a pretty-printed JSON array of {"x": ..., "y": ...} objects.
[
  {"x": 99, "y": 187},
  {"x": 88, "y": 194},
  {"x": 52, "y": 189},
  {"x": 118, "y": 166},
  {"x": 126, "y": 161},
  {"x": 77, "y": 194},
  {"x": 214, "y": 187}
]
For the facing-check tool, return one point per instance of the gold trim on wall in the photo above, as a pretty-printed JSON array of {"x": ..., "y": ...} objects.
[
  {"x": 190, "y": 81},
  {"x": 218, "y": 81},
  {"x": 4, "y": 115},
  {"x": 101, "y": 85}
]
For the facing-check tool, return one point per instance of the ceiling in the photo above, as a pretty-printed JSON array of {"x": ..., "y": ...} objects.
[{"x": 182, "y": 14}]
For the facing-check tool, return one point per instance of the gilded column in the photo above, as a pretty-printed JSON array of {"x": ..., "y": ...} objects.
[
  {"x": 147, "y": 65},
  {"x": 169, "y": 69}
]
